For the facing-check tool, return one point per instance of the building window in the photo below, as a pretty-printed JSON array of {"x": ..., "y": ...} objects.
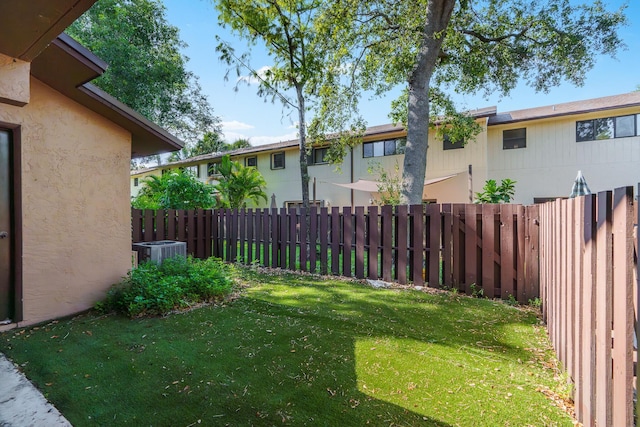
[
  {"x": 165, "y": 171},
  {"x": 251, "y": 161},
  {"x": 606, "y": 128},
  {"x": 212, "y": 168},
  {"x": 447, "y": 144},
  {"x": 514, "y": 138},
  {"x": 319, "y": 156},
  {"x": 193, "y": 170},
  {"x": 135, "y": 182},
  {"x": 389, "y": 147},
  {"x": 277, "y": 160}
]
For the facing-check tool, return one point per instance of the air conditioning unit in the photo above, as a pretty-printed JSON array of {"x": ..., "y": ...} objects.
[{"x": 160, "y": 250}]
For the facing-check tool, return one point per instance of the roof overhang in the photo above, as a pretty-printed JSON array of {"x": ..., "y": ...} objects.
[
  {"x": 67, "y": 66},
  {"x": 29, "y": 26}
]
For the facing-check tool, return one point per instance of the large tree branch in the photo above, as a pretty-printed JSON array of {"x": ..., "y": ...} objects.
[{"x": 486, "y": 39}]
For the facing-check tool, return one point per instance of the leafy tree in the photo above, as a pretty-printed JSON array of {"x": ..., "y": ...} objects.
[
  {"x": 390, "y": 183},
  {"x": 286, "y": 28},
  {"x": 435, "y": 46},
  {"x": 175, "y": 189},
  {"x": 238, "y": 144},
  {"x": 238, "y": 184},
  {"x": 494, "y": 193},
  {"x": 146, "y": 69}
]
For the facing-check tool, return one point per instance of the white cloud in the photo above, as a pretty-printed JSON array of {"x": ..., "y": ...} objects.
[
  {"x": 253, "y": 80},
  {"x": 263, "y": 140},
  {"x": 235, "y": 125}
]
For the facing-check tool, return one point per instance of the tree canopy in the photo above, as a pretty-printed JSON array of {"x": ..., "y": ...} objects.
[
  {"x": 146, "y": 69},
  {"x": 176, "y": 189},
  {"x": 238, "y": 184},
  {"x": 435, "y": 47},
  {"x": 286, "y": 28}
]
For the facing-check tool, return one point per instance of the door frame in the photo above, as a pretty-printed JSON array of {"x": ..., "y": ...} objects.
[{"x": 15, "y": 152}]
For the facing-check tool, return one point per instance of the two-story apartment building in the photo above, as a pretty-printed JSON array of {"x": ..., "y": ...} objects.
[{"x": 540, "y": 148}]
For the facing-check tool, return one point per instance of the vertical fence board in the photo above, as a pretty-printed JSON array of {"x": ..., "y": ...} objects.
[
  {"x": 520, "y": 253},
  {"x": 149, "y": 226},
  {"x": 507, "y": 254},
  {"x": 304, "y": 242},
  {"x": 283, "y": 228},
  {"x": 417, "y": 244},
  {"x": 347, "y": 236},
  {"x": 447, "y": 243},
  {"x": 373, "y": 241},
  {"x": 161, "y": 224},
  {"x": 293, "y": 227},
  {"x": 578, "y": 217},
  {"x": 242, "y": 234},
  {"x": 324, "y": 240},
  {"x": 360, "y": 238},
  {"x": 532, "y": 263},
  {"x": 457, "y": 252},
  {"x": 471, "y": 247},
  {"x": 622, "y": 382},
  {"x": 587, "y": 407},
  {"x": 313, "y": 238},
  {"x": 603, "y": 311},
  {"x": 136, "y": 225},
  {"x": 387, "y": 243},
  {"x": 488, "y": 250},
  {"x": 335, "y": 241},
  {"x": 267, "y": 237},
  {"x": 275, "y": 238},
  {"x": 401, "y": 243},
  {"x": 208, "y": 220},
  {"x": 570, "y": 285},
  {"x": 433, "y": 224},
  {"x": 251, "y": 227}
]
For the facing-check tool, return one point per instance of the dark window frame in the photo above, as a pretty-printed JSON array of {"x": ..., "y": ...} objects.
[
  {"x": 136, "y": 182},
  {"x": 314, "y": 154},
  {"x": 248, "y": 159},
  {"x": 398, "y": 147},
  {"x": 591, "y": 124},
  {"x": 511, "y": 139},
  {"x": 448, "y": 145},
  {"x": 273, "y": 156}
]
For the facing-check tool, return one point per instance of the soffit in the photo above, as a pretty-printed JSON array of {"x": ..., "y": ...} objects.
[{"x": 28, "y": 26}]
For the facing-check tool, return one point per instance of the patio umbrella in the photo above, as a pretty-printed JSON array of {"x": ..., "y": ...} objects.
[{"x": 580, "y": 187}]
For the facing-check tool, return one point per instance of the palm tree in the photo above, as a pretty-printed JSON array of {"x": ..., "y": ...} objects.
[{"x": 239, "y": 184}]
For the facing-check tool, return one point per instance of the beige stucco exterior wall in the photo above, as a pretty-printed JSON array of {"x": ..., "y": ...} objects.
[
  {"x": 14, "y": 80},
  {"x": 550, "y": 162},
  {"x": 75, "y": 214},
  {"x": 135, "y": 189}
]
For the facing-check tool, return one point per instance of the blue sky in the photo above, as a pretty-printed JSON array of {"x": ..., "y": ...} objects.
[{"x": 245, "y": 115}]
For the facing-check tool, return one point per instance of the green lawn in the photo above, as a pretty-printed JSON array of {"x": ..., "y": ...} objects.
[{"x": 300, "y": 350}]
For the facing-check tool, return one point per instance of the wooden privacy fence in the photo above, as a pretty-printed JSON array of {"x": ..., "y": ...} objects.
[
  {"x": 493, "y": 248},
  {"x": 588, "y": 271}
]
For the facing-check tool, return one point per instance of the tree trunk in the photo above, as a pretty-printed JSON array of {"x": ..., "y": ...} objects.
[
  {"x": 415, "y": 158},
  {"x": 304, "y": 170}
]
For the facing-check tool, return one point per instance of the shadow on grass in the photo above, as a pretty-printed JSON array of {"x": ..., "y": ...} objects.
[{"x": 294, "y": 350}]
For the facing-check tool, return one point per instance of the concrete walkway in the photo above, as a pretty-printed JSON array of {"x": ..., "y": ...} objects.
[{"x": 21, "y": 404}]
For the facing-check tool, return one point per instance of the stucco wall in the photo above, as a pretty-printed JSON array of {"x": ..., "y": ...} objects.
[
  {"x": 14, "y": 80},
  {"x": 76, "y": 234}
]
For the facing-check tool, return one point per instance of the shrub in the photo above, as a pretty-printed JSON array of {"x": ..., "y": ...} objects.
[{"x": 152, "y": 289}]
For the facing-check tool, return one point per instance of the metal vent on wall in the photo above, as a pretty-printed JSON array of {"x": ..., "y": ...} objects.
[{"x": 160, "y": 250}]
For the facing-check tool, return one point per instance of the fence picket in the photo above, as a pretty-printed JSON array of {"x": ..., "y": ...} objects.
[{"x": 622, "y": 299}]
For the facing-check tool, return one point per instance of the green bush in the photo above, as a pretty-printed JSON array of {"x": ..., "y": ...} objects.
[{"x": 152, "y": 289}]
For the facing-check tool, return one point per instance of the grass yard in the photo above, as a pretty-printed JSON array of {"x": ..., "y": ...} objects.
[{"x": 300, "y": 350}]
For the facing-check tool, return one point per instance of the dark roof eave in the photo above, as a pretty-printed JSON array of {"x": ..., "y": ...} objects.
[{"x": 143, "y": 130}]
